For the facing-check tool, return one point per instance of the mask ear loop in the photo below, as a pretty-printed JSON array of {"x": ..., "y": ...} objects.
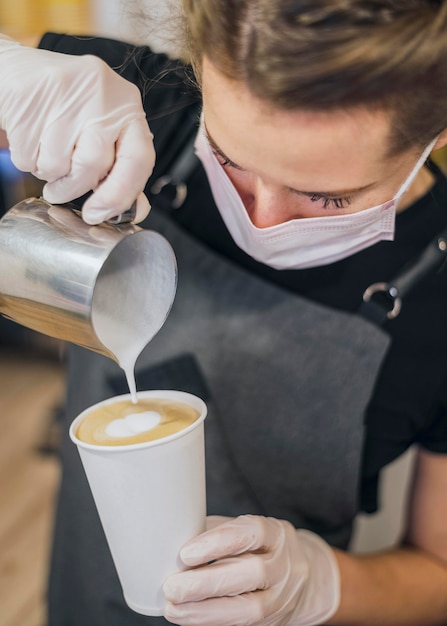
[{"x": 424, "y": 156}]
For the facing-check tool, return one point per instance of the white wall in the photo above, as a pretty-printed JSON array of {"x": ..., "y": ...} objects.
[
  {"x": 384, "y": 529},
  {"x": 129, "y": 20}
]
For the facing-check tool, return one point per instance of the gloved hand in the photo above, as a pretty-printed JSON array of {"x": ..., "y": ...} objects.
[
  {"x": 74, "y": 122},
  {"x": 254, "y": 570}
]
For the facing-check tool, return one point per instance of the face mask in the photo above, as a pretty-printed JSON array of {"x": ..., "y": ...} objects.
[{"x": 300, "y": 243}]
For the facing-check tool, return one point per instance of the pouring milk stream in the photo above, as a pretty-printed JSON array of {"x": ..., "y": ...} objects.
[
  {"x": 143, "y": 284},
  {"x": 108, "y": 288}
]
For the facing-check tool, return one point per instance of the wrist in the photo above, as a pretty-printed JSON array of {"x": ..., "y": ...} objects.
[{"x": 320, "y": 599}]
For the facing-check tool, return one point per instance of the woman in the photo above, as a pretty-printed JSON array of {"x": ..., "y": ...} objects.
[{"x": 312, "y": 129}]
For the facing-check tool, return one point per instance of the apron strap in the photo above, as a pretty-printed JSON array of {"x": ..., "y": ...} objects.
[
  {"x": 382, "y": 301},
  {"x": 171, "y": 188}
]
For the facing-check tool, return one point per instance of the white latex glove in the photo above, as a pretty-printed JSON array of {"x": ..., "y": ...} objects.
[
  {"x": 254, "y": 570},
  {"x": 74, "y": 122}
]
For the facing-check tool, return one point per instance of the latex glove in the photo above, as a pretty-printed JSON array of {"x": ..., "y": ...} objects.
[
  {"x": 254, "y": 570},
  {"x": 74, "y": 122}
]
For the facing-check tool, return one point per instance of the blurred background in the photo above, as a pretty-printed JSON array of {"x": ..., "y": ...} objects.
[
  {"x": 121, "y": 19},
  {"x": 32, "y": 374},
  {"x": 32, "y": 366}
]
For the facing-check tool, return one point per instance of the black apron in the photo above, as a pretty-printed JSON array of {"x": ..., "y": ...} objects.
[
  {"x": 287, "y": 383},
  {"x": 285, "y": 426}
]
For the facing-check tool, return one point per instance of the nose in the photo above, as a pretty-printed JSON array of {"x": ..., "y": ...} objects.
[{"x": 268, "y": 204}]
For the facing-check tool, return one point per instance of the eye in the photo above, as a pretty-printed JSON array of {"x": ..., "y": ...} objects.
[
  {"x": 335, "y": 203},
  {"x": 225, "y": 161}
]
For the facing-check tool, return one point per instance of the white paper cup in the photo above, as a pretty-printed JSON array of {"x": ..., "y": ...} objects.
[{"x": 150, "y": 499}]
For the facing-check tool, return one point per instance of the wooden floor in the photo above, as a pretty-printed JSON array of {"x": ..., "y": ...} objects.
[{"x": 30, "y": 389}]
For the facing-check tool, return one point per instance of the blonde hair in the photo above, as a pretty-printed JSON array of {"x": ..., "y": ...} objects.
[{"x": 328, "y": 54}]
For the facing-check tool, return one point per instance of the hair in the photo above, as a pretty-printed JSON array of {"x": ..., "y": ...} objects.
[{"x": 324, "y": 55}]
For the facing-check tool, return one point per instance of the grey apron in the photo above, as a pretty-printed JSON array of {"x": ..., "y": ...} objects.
[{"x": 287, "y": 383}]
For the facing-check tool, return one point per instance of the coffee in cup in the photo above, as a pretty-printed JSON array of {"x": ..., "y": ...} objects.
[{"x": 124, "y": 423}]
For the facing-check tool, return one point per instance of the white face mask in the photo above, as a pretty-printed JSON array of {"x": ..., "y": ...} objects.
[{"x": 305, "y": 242}]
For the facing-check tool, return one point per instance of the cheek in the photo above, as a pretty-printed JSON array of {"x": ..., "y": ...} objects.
[{"x": 244, "y": 183}]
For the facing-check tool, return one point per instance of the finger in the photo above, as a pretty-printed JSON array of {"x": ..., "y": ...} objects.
[
  {"x": 135, "y": 158},
  {"x": 91, "y": 160},
  {"x": 142, "y": 209},
  {"x": 234, "y": 611},
  {"x": 216, "y": 520},
  {"x": 56, "y": 147},
  {"x": 243, "y": 534},
  {"x": 228, "y": 577},
  {"x": 23, "y": 154}
]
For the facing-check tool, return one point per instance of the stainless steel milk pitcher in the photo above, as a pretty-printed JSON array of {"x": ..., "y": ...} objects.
[{"x": 96, "y": 286}]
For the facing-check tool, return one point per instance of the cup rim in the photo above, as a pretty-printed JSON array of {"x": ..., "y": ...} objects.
[{"x": 181, "y": 396}]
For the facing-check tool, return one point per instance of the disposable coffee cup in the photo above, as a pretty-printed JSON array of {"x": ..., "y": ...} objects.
[{"x": 150, "y": 498}]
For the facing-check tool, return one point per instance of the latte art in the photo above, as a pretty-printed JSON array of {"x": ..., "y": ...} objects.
[
  {"x": 133, "y": 424},
  {"x": 125, "y": 423}
]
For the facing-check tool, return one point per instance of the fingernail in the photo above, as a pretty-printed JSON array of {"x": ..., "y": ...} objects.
[
  {"x": 169, "y": 590},
  {"x": 191, "y": 554},
  {"x": 142, "y": 214},
  {"x": 172, "y": 612},
  {"x": 93, "y": 216},
  {"x": 52, "y": 198}
]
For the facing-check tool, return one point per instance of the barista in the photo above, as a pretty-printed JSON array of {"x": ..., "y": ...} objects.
[{"x": 309, "y": 185}]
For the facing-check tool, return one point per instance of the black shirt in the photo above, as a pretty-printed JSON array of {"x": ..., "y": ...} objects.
[{"x": 409, "y": 405}]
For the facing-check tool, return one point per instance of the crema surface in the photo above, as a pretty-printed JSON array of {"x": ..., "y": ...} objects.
[{"x": 125, "y": 423}]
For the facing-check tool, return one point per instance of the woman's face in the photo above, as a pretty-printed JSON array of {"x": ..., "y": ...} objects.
[{"x": 292, "y": 164}]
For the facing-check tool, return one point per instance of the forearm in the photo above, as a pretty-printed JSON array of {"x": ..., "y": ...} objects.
[
  {"x": 404, "y": 587},
  {"x": 3, "y": 140}
]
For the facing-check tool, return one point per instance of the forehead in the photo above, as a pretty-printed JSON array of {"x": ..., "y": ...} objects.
[{"x": 301, "y": 149}]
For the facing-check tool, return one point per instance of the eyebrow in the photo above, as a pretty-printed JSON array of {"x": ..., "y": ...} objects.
[{"x": 328, "y": 194}]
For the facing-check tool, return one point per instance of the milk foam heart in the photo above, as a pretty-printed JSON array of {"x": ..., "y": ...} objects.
[
  {"x": 123, "y": 423},
  {"x": 133, "y": 424}
]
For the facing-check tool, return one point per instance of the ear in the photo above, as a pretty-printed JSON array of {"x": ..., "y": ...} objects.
[{"x": 441, "y": 141}]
